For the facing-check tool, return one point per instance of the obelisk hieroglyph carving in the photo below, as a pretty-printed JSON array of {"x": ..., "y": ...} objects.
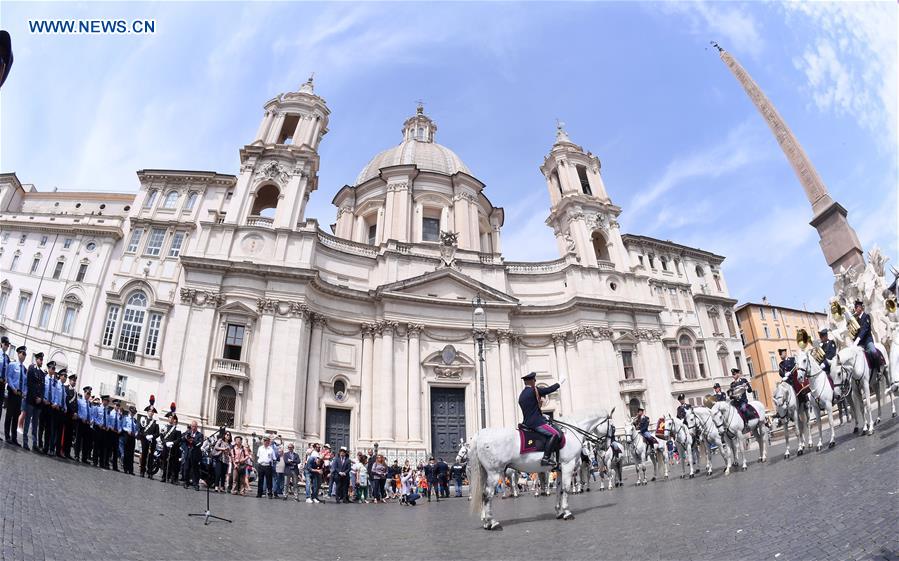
[{"x": 838, "y": 240}]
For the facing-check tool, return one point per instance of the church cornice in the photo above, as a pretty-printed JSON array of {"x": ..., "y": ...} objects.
[
  {"x": 580, "y": 302},
  {"x": 665, "y": 246},
  {"x": 714, "y": 299},
  {"x": 65, "y": 223},
  {"x": 186, "y": 176}
]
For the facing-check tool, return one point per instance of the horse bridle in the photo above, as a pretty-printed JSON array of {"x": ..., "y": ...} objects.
[
  {"x": 587, "y": 435},
  {"x": 786, "y": 405}
]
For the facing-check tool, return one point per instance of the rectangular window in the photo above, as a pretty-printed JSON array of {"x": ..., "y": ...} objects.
[
  {"x": 5, "y": 237},
  {"x": 749, "y": 366},
  {"x": 774, "y": 313},
  {"x": 112, "y": 317},
  {"x": 372, "y": 234},
  {"x": 153, "y": 335},
  {"x": 82, "y": 270},
  {"x": 68, "y": 320},
  {"x": 67, "y": 243},
  {"x": 134, "y": 242},
  {"x": 700, "y": 361},
  {"x": 43, "y": 241},
  {"x": 121, "y": 384},
  {"x": 24, "y": 299},
  {"x": 767, "y": 333},
  {"x": 129, "y": 336},
  {"x": 35, "y": 264},
  {"x": 4, "y": 296},
  {"x": 234, "y": 341},
  {"x": 687, "y": 356},
  {"x": 675, "y": 302},
  {"x": 58, "y": 270},
  {"x": 731, "y": 328},
  {"x": 177, "y": 242},
  {"x": 627, "y": 360},
  {"x": 716, "y": 328},
  {"x": 722, "y": 361},
  {"x": 430, "y": 229},
  {"x": 718, "y": 282},
  {"x": 154, "y": 244},
  {"x": 15, "y": 261},
  {"x": 44, "y": 319},
  {"x": 674, "y": 364},
  {"x": 22, "y": 238},
  {"x": 640, "y": 260},
  {"x": 738, "y": 359},
  {"x": 773, "y": 360}
]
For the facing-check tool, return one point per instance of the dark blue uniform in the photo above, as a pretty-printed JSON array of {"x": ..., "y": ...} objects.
[
  {"x": 866, "y": 340},
  {"x": 786, "y": 367},
  {"x": 529, "y": 403},
  {"x": 830, "y": 351}
]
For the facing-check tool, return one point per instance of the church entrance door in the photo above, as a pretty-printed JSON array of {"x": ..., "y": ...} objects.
[
  {"x": 447, "y": 421},
  {"x": 337, "y": 428}
]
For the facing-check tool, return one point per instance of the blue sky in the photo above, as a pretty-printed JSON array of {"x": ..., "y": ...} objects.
[{"x": 684, "y": 152}]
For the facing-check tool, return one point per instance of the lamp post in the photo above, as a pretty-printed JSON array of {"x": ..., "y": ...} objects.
[{"x": 479, "y": 330}]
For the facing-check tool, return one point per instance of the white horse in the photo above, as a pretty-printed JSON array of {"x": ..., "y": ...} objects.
[
  {"x": 699, "y": 421},
  {"x": 851, "y": 363},
  {"x": 643, "y": 452},
  {"x": 588, "y": 454},
  {"x": 611, "y": 468},
  {"x": 514, "y": 478},
  {"x": 881, "y": 384},
  {"x": 683, "y": 440},
  {"x": 787, "y": 408},
  {"x": 493, "y": 450},
  {"x": 821, "y": 394},
  {"x": 731, "y": 426}
]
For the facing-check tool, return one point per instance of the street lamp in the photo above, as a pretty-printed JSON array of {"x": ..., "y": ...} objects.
[{"x": 479, "y": 330}]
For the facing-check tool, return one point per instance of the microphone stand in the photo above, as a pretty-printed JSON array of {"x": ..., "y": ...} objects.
[{"x": 208, "y": 514}]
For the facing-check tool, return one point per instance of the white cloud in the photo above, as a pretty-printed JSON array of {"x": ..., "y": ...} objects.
[
  {"x": 738, "y": 149},
  {"x": 724, "y": 22},
  {"x": 851, "y": 64}
]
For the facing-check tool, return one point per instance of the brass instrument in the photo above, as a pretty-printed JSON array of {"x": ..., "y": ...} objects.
[
  {"x": 852, "y": 325},
  {"x": 802, "y": 338},
  {"x": 837, "y": 310},
  {"x": 890, "y": 305}
]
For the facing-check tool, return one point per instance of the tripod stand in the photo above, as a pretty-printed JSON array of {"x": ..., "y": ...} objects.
[{"x": 207, "y": 515}]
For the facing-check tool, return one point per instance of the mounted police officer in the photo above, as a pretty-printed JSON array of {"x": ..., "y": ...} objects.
[
  {"x": 739, "y": 389},
  {"x": 830, "y": 349},
  {"x": 529, "y": 402},
  {"x": 683, "y": 406},
  {"x": 864, "y": 338},
  {"x": 787, "y": 365},
  {"x": 719, "y": 395},
  {"x": 641, "y": 422}
]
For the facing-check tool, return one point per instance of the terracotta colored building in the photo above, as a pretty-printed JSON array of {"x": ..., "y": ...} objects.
[{"x": 764, "y": 328}]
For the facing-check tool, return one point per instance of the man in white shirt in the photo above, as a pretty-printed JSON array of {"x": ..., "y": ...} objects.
[{"x": 265, "y": 456}]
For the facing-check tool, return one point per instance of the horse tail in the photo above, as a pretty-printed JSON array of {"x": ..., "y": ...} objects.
[{"x": 477, "y": 476}]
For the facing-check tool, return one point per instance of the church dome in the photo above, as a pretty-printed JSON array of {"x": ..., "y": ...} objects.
[{"x": 418, "y": 148}]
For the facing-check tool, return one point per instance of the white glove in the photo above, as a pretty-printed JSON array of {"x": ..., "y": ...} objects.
[
  {"x": 857, "y": 339},
  {"x": 169, "y": 444}
]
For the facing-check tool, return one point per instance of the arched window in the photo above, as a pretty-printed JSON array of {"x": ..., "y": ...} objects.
[
  {"x": 132, "y": 326},
  {"x": 687, "y": 357},
  {"x": 266, "y": 202},
  {"x": 224, "y": 412},
  {"x": 191, "y": 200},
  {"x": 600, "y": 247},
  {"x": 151, "y": 198},
  {"x": 632, "y": 406},
  {"x": 171, "y": 200}
]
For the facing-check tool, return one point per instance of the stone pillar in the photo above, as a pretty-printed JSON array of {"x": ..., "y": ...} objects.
[
  {"x": 590, "y": 394},
  {"x": 415, "y": 397},
  {"x": 380, "y": 235},
  {"x": 275, "y": 129},
  {"x": 460, "y": 217},
  {"x": 263, "y": 126},
  {"x": 366, "y": 389},
  {"x": 302, "y": 370},
  {"x": 474, "y": 224},
  {"x": 507, "y": 378},
  {"x": 313, "y": 379},
  {"x": 344, "y": 227},
  {"x": 559, "y": 343},
  {"x": 386, "y": 397},
  {"x": 359, "y": 230}
]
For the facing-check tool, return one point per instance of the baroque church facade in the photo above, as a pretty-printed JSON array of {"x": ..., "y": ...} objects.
[{"x": 217, "y": 292}]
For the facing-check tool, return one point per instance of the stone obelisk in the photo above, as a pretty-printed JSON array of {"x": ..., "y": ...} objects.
[{"x": 838, "y": 240}]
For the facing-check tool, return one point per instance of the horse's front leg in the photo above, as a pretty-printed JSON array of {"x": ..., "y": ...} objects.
[
  {"x": 786, "y": 426},
  {"x": 833, "y": 431}
]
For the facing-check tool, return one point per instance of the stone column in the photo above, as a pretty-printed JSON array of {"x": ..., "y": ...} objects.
[
  {"x": 588, "y": 365},
  {"x": 366, "y": 389},
  {"x": 460, "y": 215},
  {"x": 415, "y": 397},
  {"x": 275, "y": 129},
  {"x": 263, "y": 125},
  {"x": 385, "y": 382},
  {"x": 313, "y": 379},
  {"x": 559, "y": 343},
  {"x": 507, "y": 379},
  {"x": 302, "y": 372},
  {"x": 474, "y": 224}
]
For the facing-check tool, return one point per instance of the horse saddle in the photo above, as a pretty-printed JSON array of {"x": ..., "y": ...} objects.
[
  {"x": 875, "y": 360},
  {"x": 747, "y": 411},
  {"x": 801, "y": 388},
  {"x": 533, "y": 441}
]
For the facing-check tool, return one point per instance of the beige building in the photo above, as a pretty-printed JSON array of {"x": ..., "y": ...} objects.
[
  {"x": 765, "y": 328},
  {"x": 216, "y": 291}
]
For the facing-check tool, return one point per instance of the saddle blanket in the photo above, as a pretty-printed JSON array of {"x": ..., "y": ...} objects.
[{"x": 532, "y": 441}]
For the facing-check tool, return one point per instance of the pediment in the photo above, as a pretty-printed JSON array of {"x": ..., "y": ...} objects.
[
  {"x": 238, "y": 308},
  {"x": 445, "y": 284}
]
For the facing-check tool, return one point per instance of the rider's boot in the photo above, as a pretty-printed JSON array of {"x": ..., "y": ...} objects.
[{"x": 548, "y": 450}]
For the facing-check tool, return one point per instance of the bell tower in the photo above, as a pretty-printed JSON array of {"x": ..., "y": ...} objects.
[
  {"x": 582, "y": 216},
  {"x": 279, "y": 169}
]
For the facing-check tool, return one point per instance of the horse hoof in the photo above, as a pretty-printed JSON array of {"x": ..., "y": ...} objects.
[
  {"x": 855, "y": 430},
  {"x": 818, "y": 448},
  {"x": 493, "y": 526},
  {"x": 653, "y": 478},
  {"x": 877, "y": 422},
  {"x": 568, "y": 516},
  {"x": 560, "y": 515},
  {"x": 798, "y": 453},
  {"x": 691, "y": 476},
  {"x": 832, "y": 444},
  {"x": 894, "y": 415}
]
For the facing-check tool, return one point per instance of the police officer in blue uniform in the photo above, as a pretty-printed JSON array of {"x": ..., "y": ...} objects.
[
  {"x": 114, "y": 426},
  {"x": 4, "y": 364},
  {"x": 98, "y": 424},
  {"x": 84, "y": 441},
  {"x": 641, "y": 422},
  {"x": 864, "y": 338},
  {"x": 739, "y": 389},
  {"x": 34, "y": 400},
  {"x": 57, "y": 414},
  {"x": 786, "y": 366},
  {"x": 719, "y": 395},
  {"x": 71, "y": 416},
  {"x": 45, "y": 419},
  {"x": 682, "y": 407},
  {"x": 16, "y": 392},
  {"x": 129, "y": 438},
  {"x": 830, "y": 349},
  {"x": 529, "y": 402}
]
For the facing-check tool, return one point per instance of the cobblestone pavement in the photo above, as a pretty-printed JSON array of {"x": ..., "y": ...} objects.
[{"x": 840, "y": 504}]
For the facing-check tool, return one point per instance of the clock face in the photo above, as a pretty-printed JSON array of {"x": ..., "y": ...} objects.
[{"x": 448, "y": 354}]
